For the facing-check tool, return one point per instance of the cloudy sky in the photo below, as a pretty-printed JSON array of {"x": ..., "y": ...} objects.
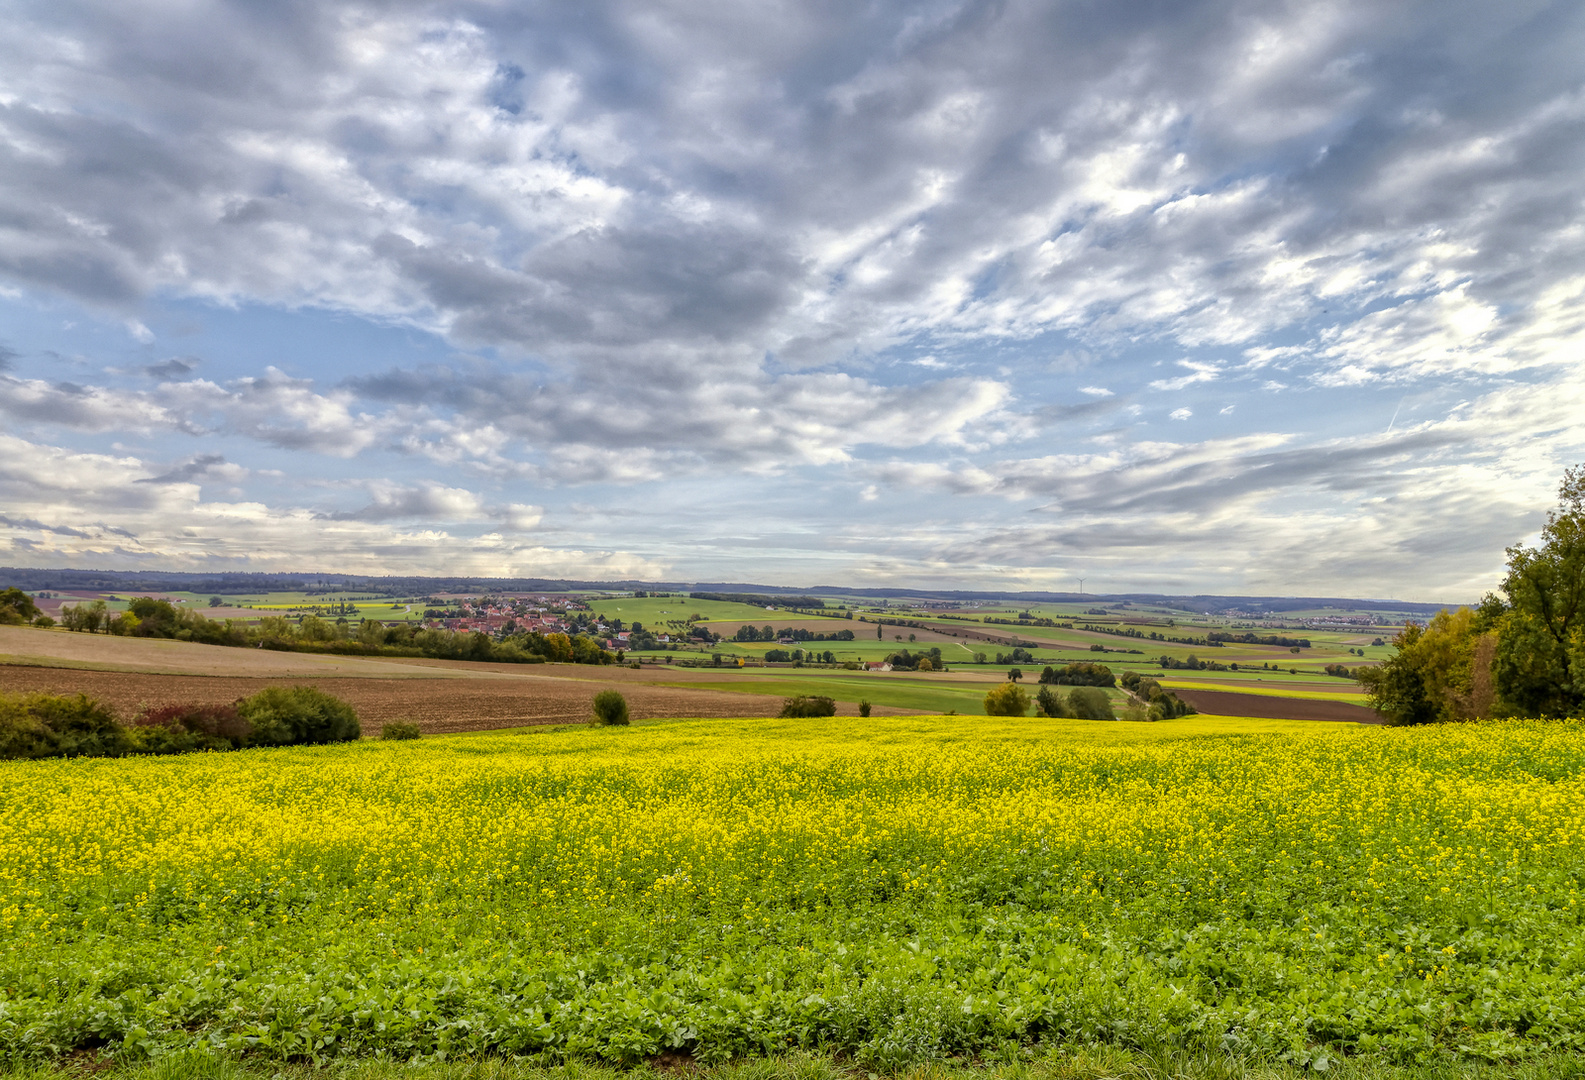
[{"x": 1230, "y": 296}]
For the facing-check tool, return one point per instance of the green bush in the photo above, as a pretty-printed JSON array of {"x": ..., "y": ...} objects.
[
  {"x": 49, "y": 725},
  {"x": 864, "y": 708},
  {"x": 610, "y": 709},
  {"x": 808, "y": 705},
  {"x": 400, "y": 729},
  {"x": 1050, "y": 703},
  {"x": 1008, "y": 699},
  {"x": 286, "y": 715},
  {"x": 1090, "y": 703}
]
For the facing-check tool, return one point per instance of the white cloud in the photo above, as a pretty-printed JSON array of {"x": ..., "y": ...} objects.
[{"x": 686, "y": 246}]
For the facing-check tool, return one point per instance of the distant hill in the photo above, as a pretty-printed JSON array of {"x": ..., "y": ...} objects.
[{"x": 134, "y": 581}]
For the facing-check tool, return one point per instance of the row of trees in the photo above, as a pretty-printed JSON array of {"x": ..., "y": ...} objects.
[
  {"x": 1520, "y": 652},
  {"x": 792, "y": 633}
]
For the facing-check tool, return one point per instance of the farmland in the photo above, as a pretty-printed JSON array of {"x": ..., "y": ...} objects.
[{"x": 897, "y": 889}]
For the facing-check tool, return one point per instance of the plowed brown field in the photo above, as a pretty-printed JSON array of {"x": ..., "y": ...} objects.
[{"x": 436, "y": 705}]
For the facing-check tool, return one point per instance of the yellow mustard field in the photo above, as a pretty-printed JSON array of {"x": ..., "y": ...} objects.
[{"x": 897, "y": 888}]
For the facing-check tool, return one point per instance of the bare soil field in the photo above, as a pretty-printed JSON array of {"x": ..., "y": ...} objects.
[
  {"x": 437, "y": 705},
  {"x": 1276, "y": 708}
]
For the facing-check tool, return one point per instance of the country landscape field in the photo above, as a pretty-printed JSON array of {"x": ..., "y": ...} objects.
[
  {"x": 894, "y": 891},
  {"x": 792, "y": 540}
]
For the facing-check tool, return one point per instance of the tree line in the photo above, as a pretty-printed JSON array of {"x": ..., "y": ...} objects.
[{"x": 1519, "y": 653}]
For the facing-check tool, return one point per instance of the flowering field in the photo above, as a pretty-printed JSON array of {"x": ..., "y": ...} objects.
[{"x": 898, "y": 888}]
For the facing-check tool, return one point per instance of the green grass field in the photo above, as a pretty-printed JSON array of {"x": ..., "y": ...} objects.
[{"x": 825, "y": 894}]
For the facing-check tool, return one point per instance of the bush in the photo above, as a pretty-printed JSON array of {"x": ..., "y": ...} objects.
[
  {"x": 1050, "y": 703},
  {"x": 287, "y": 715},
  {"x": 43, "y": 622},
  {"x": 610, "y": 709},
  {"x": 808, "y": 705},
  {"x": 399, "y": 729},
  {"x": 864, "y": 708},
  {"x": 47, "y": 725},
  {"x": 176, "y": 729},
  {"x": 1008, "y": 699},
  {"x": 1090, "y": 703}
]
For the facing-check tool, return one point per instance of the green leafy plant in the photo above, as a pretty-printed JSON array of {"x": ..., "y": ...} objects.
[
  {"x": 398, "y": 730},
  {"x": 610, "y": 709},
  {"x": 286, "y": 715},
  {"x": 808, "y": 705},
  {"x": 864, "y": 708},
  {"x": 50, "y": 725}
]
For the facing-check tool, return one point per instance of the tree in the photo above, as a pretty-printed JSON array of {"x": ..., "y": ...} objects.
[
  {"x": 1090, "y": 703},
  {"x": 17, "y": 607},
  {"x": 1008, "y": 699},
  {"x": 1014, "y": 675},
  {"x": 1441, "y": 672},
  {"x": 1540, "y": 654},
  {"x": 610, "y": 709},
  {"x": 215, "y": 601},
  {"x": 1050, "y": 703}
]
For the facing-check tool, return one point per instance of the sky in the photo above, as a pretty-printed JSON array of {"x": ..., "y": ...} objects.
[{"x": 1226, "y": 296}]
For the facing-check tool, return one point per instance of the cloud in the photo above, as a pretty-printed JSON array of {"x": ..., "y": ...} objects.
[
  {"x": 203, "y": 467},
  {"x": 425, "y": 502},
  {"x": 173, "y": 368},
  {"x": 740, "y": 253}
]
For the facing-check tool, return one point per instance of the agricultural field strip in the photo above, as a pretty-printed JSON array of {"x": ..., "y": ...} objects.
[
  {"x": 900, "y": 890},
  {"x": 1276, "y": 690}
]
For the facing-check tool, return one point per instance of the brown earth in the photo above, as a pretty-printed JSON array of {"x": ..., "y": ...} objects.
[
  {"x": 1218, "y": 703},
  {"x": 437, "y": 705}
]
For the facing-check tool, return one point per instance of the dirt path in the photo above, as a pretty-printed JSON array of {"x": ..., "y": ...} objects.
[{"x": 1218, "y": 703}]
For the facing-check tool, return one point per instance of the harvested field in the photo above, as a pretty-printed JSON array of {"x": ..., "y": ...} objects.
[
  {"x": 1219, "y": 703},
  {"x": 436, "y": 705},
  {"x": 450, "y": 701}
]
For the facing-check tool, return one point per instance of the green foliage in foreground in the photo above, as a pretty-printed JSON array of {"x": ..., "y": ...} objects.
[
  {"x": 74, "y": 725},
  {"x": 1083, "y": 1063},
  {"x": 894, "y": 890},
  {"x": 610, "y": 708}
]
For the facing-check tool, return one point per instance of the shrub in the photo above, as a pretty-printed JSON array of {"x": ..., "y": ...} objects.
[
  {"x": 610, "y": 709},
  {"x": 1050, "y": 703},
  {"x": 175, "y": 729},
  {"x": 48, "y": 725},
  {"x": 810, "y": 705},
  {"x": 400, "y": 729},
  {"x": 285, "y": 715},
  {"x": 1090, "y": 703},
  {"x": 43, "y": 622},
  {"x": 864, "y": 708},
  {"x": 1008, "y": 699}
]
